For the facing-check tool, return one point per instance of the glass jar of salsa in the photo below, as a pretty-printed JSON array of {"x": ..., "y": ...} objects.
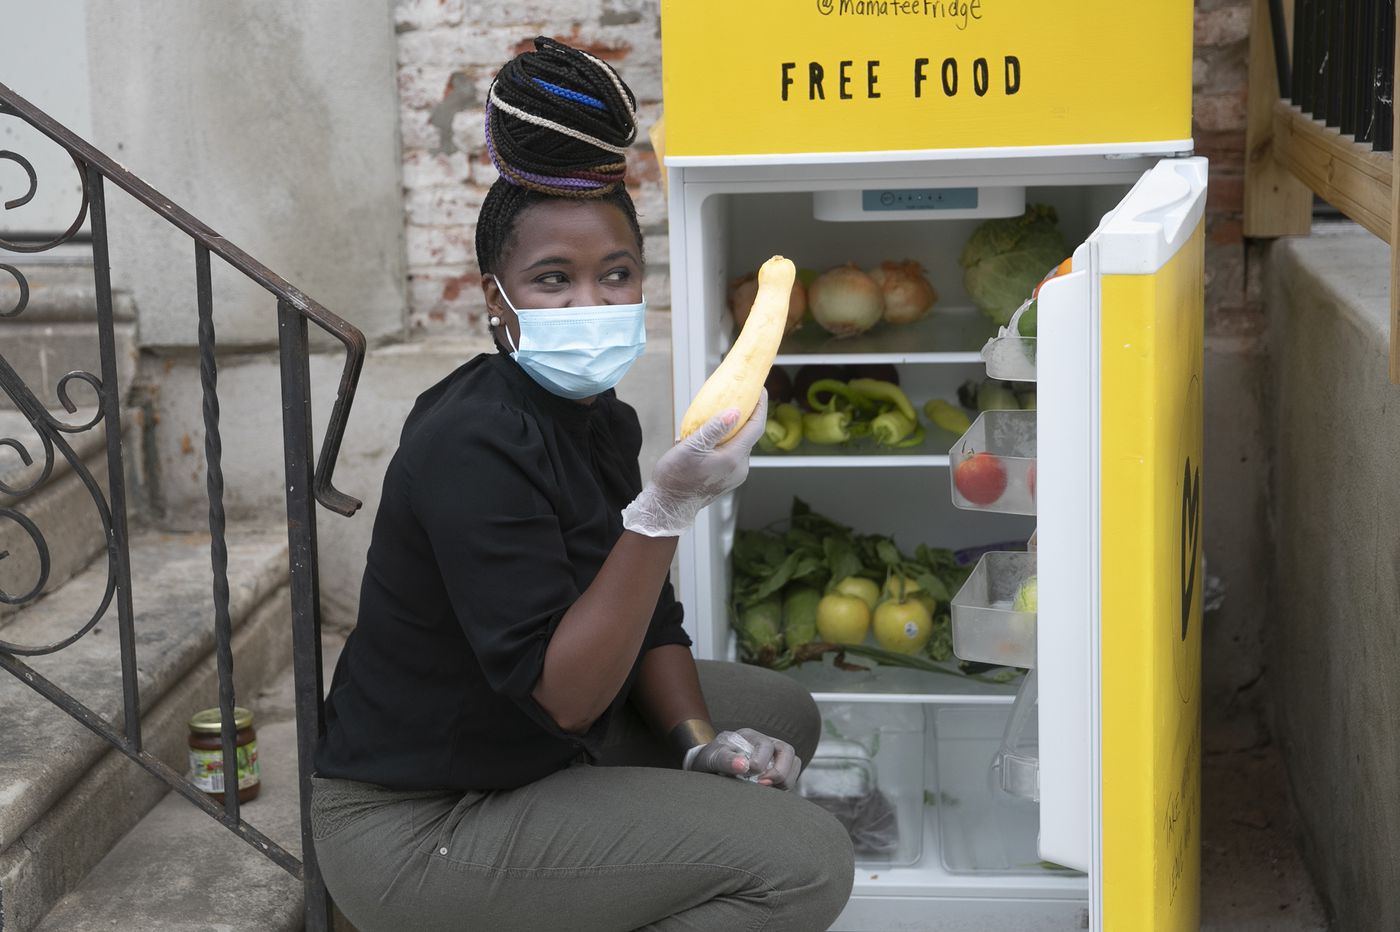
[{"x": 206, "y": 754}]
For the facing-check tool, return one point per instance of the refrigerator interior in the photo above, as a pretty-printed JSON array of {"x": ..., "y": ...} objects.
[{"x": 928, "y": 739}]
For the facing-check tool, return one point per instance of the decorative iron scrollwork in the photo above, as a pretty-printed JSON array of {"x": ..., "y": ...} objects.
[
  {"x": 49, "y": 434},
  {"x": 28, "y": 460},
  {"x": 40, "y": 545},
  {"x": 71, "y": 408},
  {"x": 49, "y": 429},
  {"x": 23, "y": 283},
  {"x": 13, "y": 203}
]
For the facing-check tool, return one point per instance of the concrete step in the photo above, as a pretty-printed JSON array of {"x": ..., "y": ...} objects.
[
  {"x": 57, "y": 331},
  {"x": 180, "y": 871},
  {"x": 65, "y": 795},
  {"x": 61, "y": 506}
]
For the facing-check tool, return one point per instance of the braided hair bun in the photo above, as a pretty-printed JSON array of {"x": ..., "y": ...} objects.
[
  {"x": 558, "y": 124},
  {"x": 559, "y": 121}
]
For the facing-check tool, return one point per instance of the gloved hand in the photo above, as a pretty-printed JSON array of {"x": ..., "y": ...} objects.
[
  {"x": 694, "y": 473},
  {"x": 747, "y": 754}
]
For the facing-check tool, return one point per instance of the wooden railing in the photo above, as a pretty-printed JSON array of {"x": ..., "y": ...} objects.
[{"x": 1321, "y": 120}]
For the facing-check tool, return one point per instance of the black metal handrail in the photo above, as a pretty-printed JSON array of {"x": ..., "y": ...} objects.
[
  {"x": 305, "y": 477},
  {"x": 1343, "y": 67}
]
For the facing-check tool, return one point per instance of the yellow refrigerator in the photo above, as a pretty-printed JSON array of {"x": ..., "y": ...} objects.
[{"x": 1063, "y": 792}]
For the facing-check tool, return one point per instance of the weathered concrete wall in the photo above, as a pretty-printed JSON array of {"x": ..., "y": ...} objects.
[
  {"x": 274, "y": 123},
  {"x": 1333, "y": 636},
  {"x": 45, "y": 62}
]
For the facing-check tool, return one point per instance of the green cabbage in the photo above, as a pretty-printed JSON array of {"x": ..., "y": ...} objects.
[{"x": 1005, "y": 259}]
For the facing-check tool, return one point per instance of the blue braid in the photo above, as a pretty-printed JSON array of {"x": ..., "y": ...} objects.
[{"x": 575, "y": 96}]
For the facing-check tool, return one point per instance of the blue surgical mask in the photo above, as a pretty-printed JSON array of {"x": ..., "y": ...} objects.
[{"x": 578, "y": 352}]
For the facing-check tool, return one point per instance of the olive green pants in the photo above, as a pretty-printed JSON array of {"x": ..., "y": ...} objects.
[{"x": 632, "y": 844}]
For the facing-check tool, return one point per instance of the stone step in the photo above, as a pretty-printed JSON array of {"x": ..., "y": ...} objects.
[
  {"x": 56, "y": 332},
  {"x": 61, "y": 289},
  {"x": 180, "y": 871},
  {"x": 65, "y": 795},
  {"x": 61, "y": 506}
]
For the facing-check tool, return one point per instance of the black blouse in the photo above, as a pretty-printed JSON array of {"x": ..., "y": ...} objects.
[{"x": 499, "y": 507}]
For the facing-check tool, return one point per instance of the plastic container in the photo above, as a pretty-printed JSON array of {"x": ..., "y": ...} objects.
[
  {"x": 981, "y": 828},
  {"x": 993, "y": 464},
  {"x": 868, "y": 772},
  {"x": 986, "y": 626},
  {"x": 1011, "y": 358},
  {"x": 1016, "y": 766}
]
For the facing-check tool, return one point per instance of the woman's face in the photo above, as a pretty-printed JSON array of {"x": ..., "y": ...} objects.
[{"x": 566, "y": 254}]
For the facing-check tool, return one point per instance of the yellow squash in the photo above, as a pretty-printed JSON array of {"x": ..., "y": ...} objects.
[{"x": 738, "y": 381}]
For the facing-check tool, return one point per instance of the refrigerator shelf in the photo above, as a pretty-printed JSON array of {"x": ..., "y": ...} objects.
[
  {"x": 880, "y": 683},
  {"x": 846, "y": 460},
  {"x": 946, "y": 335},
  {"x": 985, "y": 626},
  {"x": 1010, "y": 358},
  {"x": 1006, "y": 482}
]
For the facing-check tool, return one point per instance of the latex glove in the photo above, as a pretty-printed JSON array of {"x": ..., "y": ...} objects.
[
  {"x": 694, "y": 473},
  {"x": 750, "y": 755}
]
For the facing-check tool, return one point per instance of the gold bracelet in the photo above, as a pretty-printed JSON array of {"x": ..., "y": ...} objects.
[{"x": 691, "y": 733}]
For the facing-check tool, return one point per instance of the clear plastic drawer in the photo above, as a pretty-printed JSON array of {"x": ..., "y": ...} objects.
[{"x": 868, "y": 771}]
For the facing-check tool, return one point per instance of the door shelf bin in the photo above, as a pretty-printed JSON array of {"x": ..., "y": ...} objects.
[
  {"x": 1009, "y": 438},
  {"x": 868, "y": 771},
  {"x": 1011, "y": 358},
  {"x": 985, "y": 626}
]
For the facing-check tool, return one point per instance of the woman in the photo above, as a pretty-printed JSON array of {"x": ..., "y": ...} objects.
[{"x": 517, "y": 734}]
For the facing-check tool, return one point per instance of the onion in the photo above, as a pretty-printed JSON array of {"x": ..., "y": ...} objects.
[
  {"x": 846, "y": 301},
  {"x": 908, "y": 294},
  {"x": 743, "y": 290}
]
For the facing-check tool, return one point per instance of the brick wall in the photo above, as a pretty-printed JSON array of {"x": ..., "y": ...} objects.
[
  {"x": 448, "y": 52},
  {"x": 1220, "y": 72},
  {"x": 447, "y": 57}
]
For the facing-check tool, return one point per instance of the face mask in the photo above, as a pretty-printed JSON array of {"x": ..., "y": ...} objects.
[{"x": 578, "y": 352}]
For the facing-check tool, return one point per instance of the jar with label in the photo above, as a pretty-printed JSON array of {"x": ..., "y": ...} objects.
[{"x": 206, "y": 754}]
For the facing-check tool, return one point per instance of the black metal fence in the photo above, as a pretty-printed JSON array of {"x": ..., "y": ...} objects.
[
  {"x": 305, "y": 477},
  {"x": 1343, "y": 67}
]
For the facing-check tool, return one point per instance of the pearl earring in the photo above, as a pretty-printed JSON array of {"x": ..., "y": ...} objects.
[{"x": 495, "y": 321}]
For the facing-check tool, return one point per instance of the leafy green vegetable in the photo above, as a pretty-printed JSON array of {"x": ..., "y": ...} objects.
[
  {"x": 841, "y": 557},
  {"x": 760, "y": 630},
  {"x": 794, "y": 564},
  {"x": 1006, "y": 258},
  {"x": 940, "y": 643},
  {"x": 800, "y": 615}
]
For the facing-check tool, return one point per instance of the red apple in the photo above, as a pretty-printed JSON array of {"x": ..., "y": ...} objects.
[{"x": 981, "y": 478}]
